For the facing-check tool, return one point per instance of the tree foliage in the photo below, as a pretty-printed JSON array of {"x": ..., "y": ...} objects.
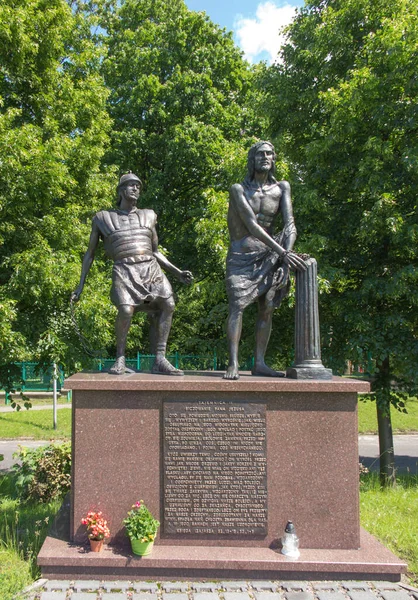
[
  {"x": 89, "y": 90},
  {"x": 53, "y": 130},
  {"x": 344, "y": 103},
  {"x": 182, "y": 120}
]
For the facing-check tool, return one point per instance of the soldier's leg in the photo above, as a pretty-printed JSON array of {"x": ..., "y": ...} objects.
[
  {"x": 122, "y": 325},
  {"x": 153, "y": 333},
  {"x": 234, "y": 328},
  {"x": 164, "y": 318},
  {"x": 262, "y": 336}
]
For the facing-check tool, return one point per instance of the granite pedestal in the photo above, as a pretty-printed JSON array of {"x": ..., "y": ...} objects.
[{"x": 223, "y": 465}]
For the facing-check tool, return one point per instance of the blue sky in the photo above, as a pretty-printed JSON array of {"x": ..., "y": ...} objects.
[{"x": 255, "y": 23}]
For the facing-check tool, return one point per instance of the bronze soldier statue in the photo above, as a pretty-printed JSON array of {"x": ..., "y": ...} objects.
[
  {"x": 138, "y": 283},
  {"x": 258, "y": 262}
]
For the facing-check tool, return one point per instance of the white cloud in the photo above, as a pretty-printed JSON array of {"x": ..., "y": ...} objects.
[{"x": 261, "y": 34}]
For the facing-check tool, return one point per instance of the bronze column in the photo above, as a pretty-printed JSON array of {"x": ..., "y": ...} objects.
[{"x": 308, "y": 364}]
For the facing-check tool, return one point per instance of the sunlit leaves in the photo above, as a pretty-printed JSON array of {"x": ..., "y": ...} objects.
[
  {"x": 344, "y": 103},
  {"x": 54, "y": 128}
]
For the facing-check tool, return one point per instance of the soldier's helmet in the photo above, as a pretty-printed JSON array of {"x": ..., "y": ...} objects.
[{"x": 127, "y": 177}]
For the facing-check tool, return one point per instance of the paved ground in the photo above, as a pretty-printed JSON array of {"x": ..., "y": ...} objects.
[
  {"x": 406, "y": 452},
  {"x": 35, "y": 407},
  {"x": 227, "y": 590},
  {"x": 9, "y": 447}
]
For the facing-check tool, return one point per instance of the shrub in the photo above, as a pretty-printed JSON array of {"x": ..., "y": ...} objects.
[{"x": 44, "y": 473}]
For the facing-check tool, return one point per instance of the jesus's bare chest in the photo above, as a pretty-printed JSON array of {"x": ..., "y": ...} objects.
[{"x": 265, "y": 205}]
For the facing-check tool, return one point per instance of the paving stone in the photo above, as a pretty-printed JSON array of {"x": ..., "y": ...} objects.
[
  {"x": 144, "y": 596},
  {"x": 144, "y": 586},
  {"x": 294, "y": 586},
  {"x": 175, "y": 586},
  {"x": 58, "y": 585},
  {"x": 236, "y": 596},
  {"x": 385, "y": 585},
  {"x": 330, "y": 596},
  {"x": 88, "y": 585},
  {"x": 175, "y": 596},
  {"x": 325, "y": 586},
  {"x": 207, "y": 586},
  {"x": 409, "y": 588},
  {"x": 114, "y": 596},
  {"x": 115, "y": 586},
  {"x": 264, "y": 586},
  {"x": 412, "y": 591},
  {"x": 267, "y": 596},
  {"x": 83, "y": 596},
  {"x": 33, "y": 589},
  {"x": 353, "y": 586},
  {"x": 299, "y": 596},
  {"x": 231, "y": 586},
  {"x": 53, "y": 595},
  {"x": 206, "y": 596},
  {"x": 398, "y": 595},
  {"x": 361, "y": 595}
]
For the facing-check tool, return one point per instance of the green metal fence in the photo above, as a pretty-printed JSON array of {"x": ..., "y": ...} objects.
[
  {"x": 37, "y": 379},
  {"x": 187, "y": 362}
]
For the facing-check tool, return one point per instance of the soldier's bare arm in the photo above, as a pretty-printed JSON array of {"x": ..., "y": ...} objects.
[{"x": 183, "y": 276}]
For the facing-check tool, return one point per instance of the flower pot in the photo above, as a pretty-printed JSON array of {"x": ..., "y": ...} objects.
[
  {"x": 96, "y": 545},
  {"x": 141, "y": 548}
]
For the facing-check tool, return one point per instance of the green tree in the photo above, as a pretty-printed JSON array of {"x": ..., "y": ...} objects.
[
  {"x": 54, "y": 128},
  {"x": 343, "y": 101},
  {"x": 180, "y": 101}
]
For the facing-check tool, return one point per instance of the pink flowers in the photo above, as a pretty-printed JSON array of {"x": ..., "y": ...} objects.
[{"x": 97, "y": 528}]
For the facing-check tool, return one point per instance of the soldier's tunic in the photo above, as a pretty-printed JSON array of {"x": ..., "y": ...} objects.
[
  {"x": 252, "y": 273},
  {"x": 127, "y": 237}
]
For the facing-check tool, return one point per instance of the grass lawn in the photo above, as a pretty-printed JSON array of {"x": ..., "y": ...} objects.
[
  {"x": 401, "y": 422},
  {"x": 23, "y": 529},
  {"x": 35, "y": 424},
  {"x": 15, "y": 573},
  {"x": 392, "y": 516}
]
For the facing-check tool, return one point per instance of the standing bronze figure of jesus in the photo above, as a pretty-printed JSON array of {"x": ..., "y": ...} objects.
[
  {"x": 258, "y": 261},
  {"x": 138, "y": 284}
]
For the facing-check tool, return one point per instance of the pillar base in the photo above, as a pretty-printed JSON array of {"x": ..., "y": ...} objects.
[{"x": 317, "y": 372}]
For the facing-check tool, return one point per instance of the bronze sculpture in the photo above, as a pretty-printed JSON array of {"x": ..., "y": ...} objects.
[
  {"x": 258, "y": 262},
  {"x": 138, "y": 283}
]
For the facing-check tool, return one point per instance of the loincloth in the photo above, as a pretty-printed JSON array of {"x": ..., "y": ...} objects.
[
  {"x": 250, "y": 275},
  {"x": 138, "y": 280}
]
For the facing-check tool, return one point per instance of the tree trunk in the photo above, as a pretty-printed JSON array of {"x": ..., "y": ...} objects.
[{"x": 386, "y": 452}]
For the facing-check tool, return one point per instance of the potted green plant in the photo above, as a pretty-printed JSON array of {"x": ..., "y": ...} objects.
[
  {"x": 141, "y": 528},
  {"x": 97, "y": 529}
]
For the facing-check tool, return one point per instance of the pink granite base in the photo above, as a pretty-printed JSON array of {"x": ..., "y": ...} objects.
[
  {"x": 312, "y": 452},
  {"x": 312, "y": 478},
  {"x": 59, "y": 559}
]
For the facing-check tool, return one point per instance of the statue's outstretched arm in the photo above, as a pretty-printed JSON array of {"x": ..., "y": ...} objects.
[{"x": 183, "y": 276}]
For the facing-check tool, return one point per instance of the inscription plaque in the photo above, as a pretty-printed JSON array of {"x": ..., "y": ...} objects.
[{"x": 215, "y": 479}]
